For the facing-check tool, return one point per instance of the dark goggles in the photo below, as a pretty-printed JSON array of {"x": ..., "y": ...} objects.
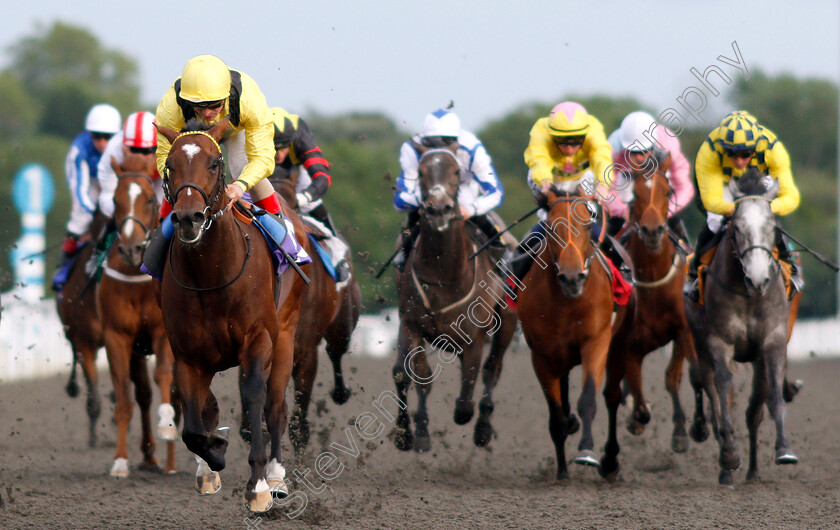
[
  {"x": 739, "y": 153},
  {"x": 439, "y": 141},
  {"x": 569, "y": 140},
  {"x": 212, "y": 105},
  {"x": 142, "y": 150},
  {"x": 101, "y": 136}
]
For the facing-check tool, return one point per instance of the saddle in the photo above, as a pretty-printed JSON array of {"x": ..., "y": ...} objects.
[{"x": 706, "y": 260}]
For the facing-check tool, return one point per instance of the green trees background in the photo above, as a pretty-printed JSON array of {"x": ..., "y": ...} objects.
[{"x": 60, "y": 71}]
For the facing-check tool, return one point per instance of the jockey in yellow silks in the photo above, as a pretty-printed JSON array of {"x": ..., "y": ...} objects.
[{"x": 736, "y": 145}]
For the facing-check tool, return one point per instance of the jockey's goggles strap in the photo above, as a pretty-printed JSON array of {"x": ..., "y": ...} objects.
[
  {"x": 752, "y": 197},
  {"x": 203, "y": 133}
]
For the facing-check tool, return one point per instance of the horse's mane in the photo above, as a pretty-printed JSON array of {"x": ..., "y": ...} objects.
[
  {"x": 194, "y": 124},
  {"x": 752, "y": 182}
]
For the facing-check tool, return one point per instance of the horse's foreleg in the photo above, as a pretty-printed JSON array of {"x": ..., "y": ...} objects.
[
  {"x": 305, "y": 368},
  {"x": 728, "y": 459},
  {"x": 490, "y": 376},
  {"x": 277, "y": 412},
  {"x": 167, "y": 429},
  {"x": 699, "y": 374},
  {"x": 755, "y": 413},
  {"x": 254, "y": 359},
  {"x": 422, "y": 440},
  {"x": 640, "y": 415},
  {"x": 408, "y": 341},
  {"x": 143, "y": 396},
  {"x": 338, "y": 339},
  {"x": 558, "y": 418},
  {"x": 193, "y": 386},
  {"x": 118, "y": 348},
  {"x": 683, "y": 349},
  {"x": 775, "y": 373},
  {"x": 593, "y": 355},
  {"x": 94, "y": 404},
  {"x": 615, "y": 370},
  {"x": 470, "y": 364}
]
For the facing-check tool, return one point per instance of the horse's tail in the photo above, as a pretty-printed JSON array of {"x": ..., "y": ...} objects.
[{"x": 72, "y": 386}]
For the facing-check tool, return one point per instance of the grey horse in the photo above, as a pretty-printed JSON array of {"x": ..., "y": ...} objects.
[{"x": 745, "y": 319}]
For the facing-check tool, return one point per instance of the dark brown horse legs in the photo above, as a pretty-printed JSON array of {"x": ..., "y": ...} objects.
[
  {"x": 470, "y": 364},
  {"x": 94, "y": 405},
  {"x": 408, "y": 341},
  {"x": 422, "y": 440},
  {"x": 143, "y": 396},
  {"x": 490, "y": 377},
  {"x": 198, "y": 406},
  {"x": 253, "y": 393},
  {"x": 305, "y": 368}
]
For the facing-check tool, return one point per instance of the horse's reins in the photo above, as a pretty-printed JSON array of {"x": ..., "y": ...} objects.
[{"x": 208, "y": 204}]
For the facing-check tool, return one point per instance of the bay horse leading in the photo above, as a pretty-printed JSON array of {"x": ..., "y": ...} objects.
[
  {"x": 132, "y": 324},
  {"x": 746, "y": 318},
  {"x": 448, "y": 301},
  {"x": 659, "y": 317},
  {"x": 566, "y": 311},
  {"x": 331, "y": 312},
  {"x": 218, "y": 303}
]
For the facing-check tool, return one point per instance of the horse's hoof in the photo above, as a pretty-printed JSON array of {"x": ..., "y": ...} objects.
[
  {"x": 729, "y": 461},
  {"x": 563, "y": 476},
  {"x": 753, "y": 476},
  {"x": 340, "y": 395},
  {"x": 786, "y": 457},
  {"x": 208, "y": 484},
  {"x": 725, "y": 478},
  {"x": 279, "y": 488},
  {"x": 634, "y": 427},
  {"x": 464, "y": 410},
  {"x": 167, "y": 433},
  {"x": 483, "y": 433},
  {"x": 699, "y": 432},
  {"x": 72, "y": 389},
  {"x": 170, "y": 470},
  {"x": 403, "y": 439},
  {"x": 422, "y": 443},
  {"x": 261, "y": 501},
  {"x": 572, "y": 425},
  {"x": 680, "y": 443},
  {"x": 120, "y": 468},
  {"x": 609, "y": 469},
  {"x": 790, "y": 390},
  {"x": 587, "y": 458},
  {"x": 151, "y": 466}
]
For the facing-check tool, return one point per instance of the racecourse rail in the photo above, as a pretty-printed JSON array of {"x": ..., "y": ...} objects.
[{"x": 32, "y": 343}]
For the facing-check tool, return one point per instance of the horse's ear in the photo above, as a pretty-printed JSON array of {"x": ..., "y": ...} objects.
[
  {"x": 665, "y": 165},
  {"x": 219, "y": 129},
  {"x": 168, "y": 133},
  {"x": 419, "y": 147}
]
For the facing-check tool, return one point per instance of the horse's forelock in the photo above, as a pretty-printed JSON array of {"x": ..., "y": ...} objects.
[
  {"x": 753, "y": 182},
  {"x": 195, "y": 124}
]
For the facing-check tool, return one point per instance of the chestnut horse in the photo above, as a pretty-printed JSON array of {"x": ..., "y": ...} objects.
[
  {"x": 218, "y": 303},
  {"x": 330, "y": 315},
  {"x": 659, "y": 318},
  {"x": 131, "y": 319},
  {"x": 566, "y": 311},
  {"x": 77, "y": 310},
  {"x": 441, "y": 302}
]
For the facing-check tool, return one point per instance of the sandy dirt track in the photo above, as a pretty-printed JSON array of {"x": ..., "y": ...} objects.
[{"x": 49, "y": 478}]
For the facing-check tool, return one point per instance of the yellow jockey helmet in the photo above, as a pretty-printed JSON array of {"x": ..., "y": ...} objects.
[{"x": 205, "y": 78}]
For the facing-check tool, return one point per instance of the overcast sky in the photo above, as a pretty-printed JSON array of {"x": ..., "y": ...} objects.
[{"x": 489, "y": 57}]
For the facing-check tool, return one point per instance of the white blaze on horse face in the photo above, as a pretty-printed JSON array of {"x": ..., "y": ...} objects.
[
  {"x": 438, "y": 191},
  {"x": 134, "y": 191},
  {"x": 649, "y": 183},
  {"x": 191, "y": 150},
  {"x": 755, "y": 216}
]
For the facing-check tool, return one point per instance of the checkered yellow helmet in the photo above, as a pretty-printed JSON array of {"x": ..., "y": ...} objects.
[{"x": 738, "y": 131}]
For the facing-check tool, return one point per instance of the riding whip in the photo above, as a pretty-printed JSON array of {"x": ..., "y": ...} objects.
[
  {"x": 825, "y": 261},
  {"x": 497, "y": 236},
  {"x": 286, "y": 255}
]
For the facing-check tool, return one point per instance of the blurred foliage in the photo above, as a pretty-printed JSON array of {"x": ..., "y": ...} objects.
[{"x": 59, "y": 72}]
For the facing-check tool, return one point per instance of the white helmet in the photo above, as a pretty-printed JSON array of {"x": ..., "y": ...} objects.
[
  {"x": 139, "y": 130},
  {"x": 636, "y": 130},
  {"x": 441, "y": 123},
  {"x": 103, "y": 118}
]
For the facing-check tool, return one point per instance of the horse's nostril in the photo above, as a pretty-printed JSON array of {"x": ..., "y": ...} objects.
[{"x": 198, "y": 218}]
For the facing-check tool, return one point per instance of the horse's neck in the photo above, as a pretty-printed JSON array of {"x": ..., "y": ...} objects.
[
  {"x": 443, "y": 254},
  {"x": 725, "y": 263},
  {"x": 649, "y": 266}
]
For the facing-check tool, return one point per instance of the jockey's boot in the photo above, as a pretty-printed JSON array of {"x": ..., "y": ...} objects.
[
  {"x": 68, "y": 250},
  {"x": 409, "y": 235},
  {"x": 100, "y": 249},
  {"x": 796, "y": 280},
  {"x": 614, "y": 225},
  {"x": 155, "y": 255},
  {"x": 342, "y": 268},
  {"x": 497, "y": 246},
  {"x": 609, "y": 249},
  {"x": 705, "y": 239}
]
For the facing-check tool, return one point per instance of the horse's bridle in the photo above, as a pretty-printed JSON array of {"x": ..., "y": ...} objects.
[
  {"x": 586, "y": 261},
  {"x": 741, "y": 254},
  {"x": 423, "y": 207},
  {"x": 208, "y": 214}
]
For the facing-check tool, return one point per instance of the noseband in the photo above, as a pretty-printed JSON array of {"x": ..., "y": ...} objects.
[
  {"x": 209, "y": 205},
  {"x": 440, "y": 187},
  {"x": 741, "y": 254}
]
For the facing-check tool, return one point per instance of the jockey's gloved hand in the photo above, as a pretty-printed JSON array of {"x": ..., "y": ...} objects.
[{"x": 303, "y": 199}]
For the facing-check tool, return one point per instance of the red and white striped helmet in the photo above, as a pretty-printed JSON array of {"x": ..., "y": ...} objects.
[{"x": 139, "y": 130}]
